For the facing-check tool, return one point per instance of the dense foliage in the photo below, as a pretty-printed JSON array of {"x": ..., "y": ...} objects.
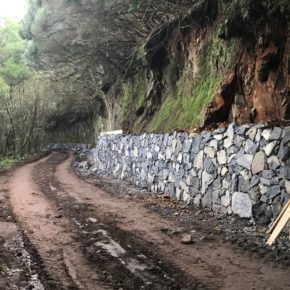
[{"x": 82, "y": 66}]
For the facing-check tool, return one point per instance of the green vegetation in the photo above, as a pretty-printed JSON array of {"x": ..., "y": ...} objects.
[
  {"x": 13, "y": 68},
  {"x": 134, "y": 93},
  {"x": 184, "y": 106},
  {"x": 7, "y": 163}
]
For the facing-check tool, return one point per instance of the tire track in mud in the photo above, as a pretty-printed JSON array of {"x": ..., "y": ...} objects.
[
  {"x": 119, "y": 241},
  {"x": 50, "y": 235},
  {"x": 121, "y": 259},
  {"x": 210, "y": 260}
]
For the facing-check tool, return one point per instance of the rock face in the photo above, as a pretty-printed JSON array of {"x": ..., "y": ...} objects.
[{"x": 203, "y": 169}]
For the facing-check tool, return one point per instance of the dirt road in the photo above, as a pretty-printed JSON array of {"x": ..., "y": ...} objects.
[{"x": 85, "y": 237}]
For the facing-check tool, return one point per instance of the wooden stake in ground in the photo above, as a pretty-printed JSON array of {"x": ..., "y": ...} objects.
[{"x": 279, "y": 224}]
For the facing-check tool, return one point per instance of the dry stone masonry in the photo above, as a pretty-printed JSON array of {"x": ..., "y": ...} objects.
[{"x": 242, "y": 170}]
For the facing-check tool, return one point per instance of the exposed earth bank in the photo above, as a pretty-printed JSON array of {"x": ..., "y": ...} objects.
[{"x": 103, "y": 234}]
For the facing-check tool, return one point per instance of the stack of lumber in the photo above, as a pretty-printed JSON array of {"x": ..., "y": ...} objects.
[{"x": 279, "y": 224}]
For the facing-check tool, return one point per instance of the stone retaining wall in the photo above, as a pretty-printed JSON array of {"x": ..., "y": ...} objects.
[{"x": 242, "y": 170}]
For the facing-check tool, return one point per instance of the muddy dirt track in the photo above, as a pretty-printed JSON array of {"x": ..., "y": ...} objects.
[{"x": 83, "y": 237}]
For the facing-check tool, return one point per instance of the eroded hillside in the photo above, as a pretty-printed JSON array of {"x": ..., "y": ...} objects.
[{"x": 222, "y": 61}]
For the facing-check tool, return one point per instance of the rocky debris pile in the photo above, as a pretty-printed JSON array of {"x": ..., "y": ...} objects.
[
  {"x": 243, "y": 170},
  {"x": 83, "y": 165},
  {"x": 81, "y": 149}
]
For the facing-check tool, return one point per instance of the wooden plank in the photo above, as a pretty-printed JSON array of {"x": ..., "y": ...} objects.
[
  {"x": 279, "y": 217},
  {"x": 280, "y": 225},
  {"x": 116, "y": 132}
]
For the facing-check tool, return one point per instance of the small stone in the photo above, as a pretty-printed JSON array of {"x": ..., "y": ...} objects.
[
  {"x": 206, "y": 135},
  {"x": 136, "y": 152},
  {"x": 263, "y": 188},
  {"x": 216, "y": 184},
  {"x": 287, "y": 186},
  {"x": 225, "y": 184},
  {"x": 284, "y": 152},
  {"x": 186, "y": 145},
  {"x": 178, "y": 193},
  {"x": 228, "y": 142},
  {"x": 213, "y": 143},
  {"x": 274, "y": 191},
  {"x": 241, "y": 130},
  {"x": 286, "y": 135},
  {"x": 178, "y": 146},
  {"x": 243, "y": 184},
  {"x": 245, "y": 161},
  {"x": 205, "y": 181},
  {"x": 246, "y": 174},
  {"x": 264, "y": 198},
  {"x": 184, "y": 186},
  {"x": 179, "y": 158},
  {"x": 285, "y": 172},
  {"x": 149, "y": 155},
  {"x": 226, "y": 199},
  {"x": 209, "y": 166},
  {"x": 209, "y": 151},
  {"x": 197, "y": 200},
  {"x": 224, "y": 171},
  {"x": 273, "y": 162},
  {"x": 173, "y": 144},
  {"x": 207, "y": 200},
  {"x": 258, "y": 136},
  {"x": 269, "y": 148},
  {"x": 265, "y": 181},
  {"x": 276, "y": 133},
  {"x": 193, "y": 173},
  {"x": 216, "y": 197},
  {"x": 198, "y": 161},
  {"x": 266, "y": 134},
  {"x": 186, "y": 197},
  {"x": 221, "y": 157},
  {"x": 168, "y": 153},
  {"x": 254, "y": 181},
  {"x": 251, "y": 147},
  {"x": 186, "y": 239},
  {"x": 252, "y": 133},
  {"x": 242, "y": 205},
  {"x": 230, "y": 131},
  {"x": 231, "y": 158},
  {"x": 218, "y": 137},
  {"x": 239, "y": 141},
  {"x": 196, "y": 143},
  {"x": 92, "y": 220},
  {"x": 268, "y": 174}
]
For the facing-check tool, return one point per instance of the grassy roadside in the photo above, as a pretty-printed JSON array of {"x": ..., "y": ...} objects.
[{"x": 9, "y": 163}]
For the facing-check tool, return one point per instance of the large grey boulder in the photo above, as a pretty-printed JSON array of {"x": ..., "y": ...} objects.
[{"x": 242, "y": 205}]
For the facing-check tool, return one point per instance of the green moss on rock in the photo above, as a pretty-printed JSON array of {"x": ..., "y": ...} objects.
[
  {"x": 184, "y": 106},
  {"x": 133, "y": 97}
]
